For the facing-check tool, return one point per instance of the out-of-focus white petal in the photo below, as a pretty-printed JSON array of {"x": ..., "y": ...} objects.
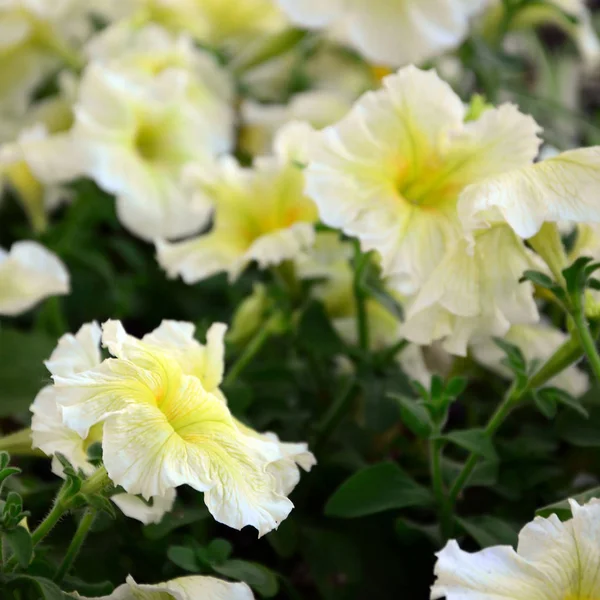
[
  {"x": 28, "y": 274},
  {"x": 195, "y": 587}
]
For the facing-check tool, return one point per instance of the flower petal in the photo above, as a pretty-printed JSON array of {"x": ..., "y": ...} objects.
[{"x": 561, "y": 188}]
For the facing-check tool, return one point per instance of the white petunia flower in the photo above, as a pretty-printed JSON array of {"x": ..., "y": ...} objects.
[
  {"x": 390, "y": 32},
  {"x": 561, "y": 188},
  {"x": 195, "y": 587},
  {"x": 260, "y": 214},
  {"x": 392, "y": 171},
  {"x": 28, "y": 274},
  {"x": 553, "y": 561},
  {"x": 75, "y": 354},
  {"x": 35, "y": 38},
  {"x": 537, "y": 342},
  {"x": 227, "y": 24},
  {"x": 135, "y": 132},
  {"x": 465, "y": 300},
  {"x": 163, "y": 429},
  {"x": 207, "y": 363}
]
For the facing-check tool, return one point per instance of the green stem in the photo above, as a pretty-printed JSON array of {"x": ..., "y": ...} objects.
[
  {"x": 360, "y": 263},
  {"x": 587, "y": 340},
  {"x": 19, "y": 444},
  {"x": 335, "y": 414},
  {"x": 565, "y": 356},
  {"x": 439, "y": 489},
  {"x": 94, "y": 484},
  {"x": 252, "y": 349},
  {"x": 494, "y": 423},
  {"x": 266, "y": 49},
  {"x": 75, "y": 545}
]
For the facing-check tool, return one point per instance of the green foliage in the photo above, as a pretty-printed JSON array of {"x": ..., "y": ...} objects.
[{"x": 375, "y": 489}]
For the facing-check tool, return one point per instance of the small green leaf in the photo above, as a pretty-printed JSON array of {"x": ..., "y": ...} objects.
[
  {"x": 563, "y": 509},
  {"x": 515, "y": 360},
  {"x": 20, "y": 542},
  {"x": 414, "y": 415},
  {"x": 184, "y": 558},
  {"x": 561, "y": 396},
  {"x": 46, "y": 589},
  {"x": 456, "y": 386},
  {"x": 489, "y": 531},
  {"x": 375, "y": 489},
  {"x": 257, "y": 576},
  {"x": 174, "y": 520},
  {"x": 219, "y": 550},
  {"x": 473, "y": 440},
  {"x": 537, "y": 278},
  {"x": 545, "y": 404}
]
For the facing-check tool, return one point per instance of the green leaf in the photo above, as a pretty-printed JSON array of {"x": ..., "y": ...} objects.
[
  {"x": 316, "y": 333},
  {"x": 184, "y": 558},
  {"x": 545, "y": 404},
  {"x": 46, "y": 589},
  {"x": 257, "y": 576},
  {"x": 489, "y": 531},
  {"x": 22, "y": 370},
  {"x": 456, "y": 386},
  {"x": 560, "y": 396},
  {"x": 174, "y": 520},
  {"x": 219, "y": 550},
  {"x": 537, "y": 278},
  {"x": 414, "y": 415},
  {"x": 20, "y": 542},
  {"x": 579, "y": 431},
  {"x": 515, "y": 360},
  {"x": 375, "y": 489},
  {"x": 473, "y": 440},
  {"x": 562, "y": 509}
]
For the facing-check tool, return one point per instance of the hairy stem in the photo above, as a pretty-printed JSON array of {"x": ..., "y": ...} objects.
[{"x": 75, "y": 545}]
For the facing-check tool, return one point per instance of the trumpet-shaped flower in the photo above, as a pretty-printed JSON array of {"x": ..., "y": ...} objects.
[
  {"x": 389, "y": 32},
  {"x": 184, "y": 588},
  {"x": 134, "y": 133},
  {"x": 553, "y": 561},
  {"x": 207, "y": 363},
  {"x": 34, "y": 38},
  {"x": 75, "y": 354},
  {"x": 163, "y": 429},
  {"x": 260, "y": 214},
  {"x": 227, "y": 24},
  {"x": 391, "y": 172},
  {"x": 536, "y": 342},
  {"x": 28, "y": 274},
  {"x": 560, "y": 188},
  {"x": 465, "y": 300}
]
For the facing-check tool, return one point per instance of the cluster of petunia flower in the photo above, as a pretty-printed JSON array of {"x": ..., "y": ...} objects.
[{"x": 452, "y": 200}]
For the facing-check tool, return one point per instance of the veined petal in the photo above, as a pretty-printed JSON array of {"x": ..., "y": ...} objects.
[
  {"x": 561, "y": 188},
  {"x": 148, "y": 453},
  {"x": 206, "y": 362},
  {"x": 496, "y": 573},
  {"x": 76, "y": 353},
  {"x": 92, "y": 396},
  {"x": 49, "y": 434}
]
